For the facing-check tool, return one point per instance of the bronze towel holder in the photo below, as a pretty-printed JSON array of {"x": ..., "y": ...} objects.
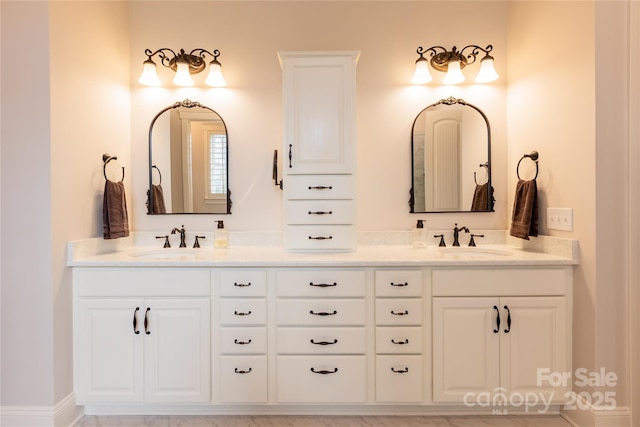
[
  {"x": 159, "y": 173},
  {"x": 106, "y": 158},
  {"x": 533, "y": 156},
  {"x": 482, "y": 165}
]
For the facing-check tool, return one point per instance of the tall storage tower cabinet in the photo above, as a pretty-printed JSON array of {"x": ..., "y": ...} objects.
[{"x": 319, "y": 146}]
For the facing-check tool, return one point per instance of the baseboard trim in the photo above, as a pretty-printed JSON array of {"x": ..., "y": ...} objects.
[
  {"x": 64, "y": 414},
  {"x": 618, "y": 417}
]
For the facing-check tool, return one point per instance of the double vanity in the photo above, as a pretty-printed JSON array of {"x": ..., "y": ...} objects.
[{"x": 256, "y": 329}]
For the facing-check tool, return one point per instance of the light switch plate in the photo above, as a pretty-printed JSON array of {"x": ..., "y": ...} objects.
[{"x": 560, "y": 219}]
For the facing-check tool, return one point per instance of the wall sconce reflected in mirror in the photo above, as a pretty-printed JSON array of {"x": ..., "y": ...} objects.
[
  {"x": 452, "y": 62},
  {"x": 184, "y": 64}
]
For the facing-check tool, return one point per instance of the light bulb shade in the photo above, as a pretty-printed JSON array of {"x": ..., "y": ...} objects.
[
  {"x": 422, "y": 74},
  {"x": 487, "y": 71},
  {"x": 454, "y": 74},
  {"x": 149, "y": 76},
  {"x": 215, "y": 77},
  {"x": 183, "y": 77}
]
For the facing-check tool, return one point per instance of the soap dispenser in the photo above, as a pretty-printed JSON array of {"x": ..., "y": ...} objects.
[
  {"x": 220, "y": 236},
  {"x": 419, "y": 235}
]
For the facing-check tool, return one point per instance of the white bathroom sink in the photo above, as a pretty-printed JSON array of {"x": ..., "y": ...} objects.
[
  {"x": 168, "y": 253},
  {"x": 475, "y": 252}
]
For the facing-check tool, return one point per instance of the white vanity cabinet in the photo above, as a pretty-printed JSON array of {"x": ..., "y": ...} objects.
[
  {"x": 142, "y": 335},
  {"x": 319, "y": 146},
  {"x": 493, "y": 329}
]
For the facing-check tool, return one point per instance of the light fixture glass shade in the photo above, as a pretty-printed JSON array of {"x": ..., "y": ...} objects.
[
  {"x": 215, "y": 77},
  {"x": 149, "y": 76},
  {"x": 454, "y": 74},
  {"x": 487, "y": 71},
  {"x": 422, "y": 74},
  {"x": 183, "y": 77}
]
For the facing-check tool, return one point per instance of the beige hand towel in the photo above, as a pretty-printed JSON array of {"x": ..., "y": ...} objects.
[
  {"x": 115, "y": 221},
  {"x": 524, "y": 222}
]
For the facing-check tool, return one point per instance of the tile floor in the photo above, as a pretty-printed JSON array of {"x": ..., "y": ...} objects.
[{"x": 322, "y": 421}]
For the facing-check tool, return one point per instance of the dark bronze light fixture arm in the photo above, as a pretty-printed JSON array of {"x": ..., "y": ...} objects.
[
  {"x": 195, "y": 58},
  {"x": 440, "y": 56}
]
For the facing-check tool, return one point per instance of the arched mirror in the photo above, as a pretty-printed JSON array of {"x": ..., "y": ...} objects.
[
  {"x": 188, "y": 161},
  {"x": 451, "y": 159}
]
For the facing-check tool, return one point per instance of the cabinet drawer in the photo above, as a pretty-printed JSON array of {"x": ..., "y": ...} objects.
[
  {"x": 399, "y": 311},
  {"x": 321, "y": 283},
  {"x": 399, "y": 283},
  {"x": 321, "y": 312},
  {"x": 243, "y": 340},
  {"x": 321, "y": 340},
  {"x": 326, "y": 379},
  {"x": 319, "y": 187},
  {"x": 321, "y": 237},
  {"x": 497, "y": 281},
  {"x": 320, "y": 212},
  {"x": 243, "y": 311},
  {"x": 243, "y": 283},
  {"x": 399, "y": 379},
  {"x": 142, "y": 282},
  {"x": 243, "y": 379},
  {"x": 399, "y": 340}
]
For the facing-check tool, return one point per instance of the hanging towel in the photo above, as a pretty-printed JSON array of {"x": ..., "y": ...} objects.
[
  {"x": 524, "y": 222},
  {"x": 114, "y": 211},
  {"x": 481, "y": 196},
  {"x": 158, "y": 200}
]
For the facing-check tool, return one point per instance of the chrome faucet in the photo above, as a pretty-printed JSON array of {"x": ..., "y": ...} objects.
[
  {"x": 456, "y": 232},
  {"x": 182, "y": 232}
]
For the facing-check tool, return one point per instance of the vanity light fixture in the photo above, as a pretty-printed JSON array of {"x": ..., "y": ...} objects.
[
  {"x": 452, "y": 62},
  {"x": 184, "y": 64}
]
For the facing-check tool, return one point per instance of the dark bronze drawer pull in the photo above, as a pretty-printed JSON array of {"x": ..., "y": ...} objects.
[
  {"x": 399, "y": 284},
  {"x": 335, "y": 341},
  {"x": 406, "y": 341},
  {"x": 238, "y": 371},
  {"x": 242, "y": 285},
  {"x": 146, "y": 322},
  {"x": 324, "y": 372},
  {"x": 323, "y": 313},
  {"x": 321, "y": 213},
  {"x": 400, "y": 371},
  {"x": 400, "y": 313},
  {"x": 239, "y": 313},
  {"x": 241, "y": 342},
  {"x": 320, "y": 238},
  {"x": 321, "y": 187},
  {"x": 323, "y": 285}
]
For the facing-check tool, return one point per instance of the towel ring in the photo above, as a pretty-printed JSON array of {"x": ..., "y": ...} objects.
[
  {"x": 159, "y": 173},
  {"x": 533, "y": 156},
  {"x": 482, "y": 165},
  {"x": 106, "y": 159}
]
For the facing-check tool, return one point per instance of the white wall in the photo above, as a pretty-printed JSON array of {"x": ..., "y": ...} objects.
[{"x": 249, "y": 34}]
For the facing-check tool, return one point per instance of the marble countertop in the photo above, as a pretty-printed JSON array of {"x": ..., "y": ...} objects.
[{"x": 138, "y": 252}]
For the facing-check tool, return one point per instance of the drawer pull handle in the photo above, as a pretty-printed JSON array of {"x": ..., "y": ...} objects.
[
  {"x": 400, "y": 313},
  {"x": 242, "y": 285},
  {"x": 241, "y": 342},
  {"x": 324, "y": 372},
  {"x": 323, "y": 285},
  {"x": 497, "y": 329},
  {"x": 335, "y": 341},
  {"x": 320, "y": 238},
  {"x": 290, "y": 155},
  {"x": 399, "y": 371},
  {"x": 506, "y": 331},
  {"x": 146, "y": 321},
  {"x": 135, "y": 321},
  {"x": 399, "y": 285},
  {"x": 321, "y": 213},
  {"x": 238, "y": 371},
  {"x": 240, "y": 313},
  {"x": 321, "y": 187},
  {"x": 323, "y": 313},
  {"x": 406, "y": 341}
]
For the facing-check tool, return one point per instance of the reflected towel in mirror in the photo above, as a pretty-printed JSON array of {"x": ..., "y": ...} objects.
[
  {"x": 114, "y": 211},
  {"x": 158, "y": 199},
  {"x": 481, "y": 196},
  {"x": 524, "y": 222}
]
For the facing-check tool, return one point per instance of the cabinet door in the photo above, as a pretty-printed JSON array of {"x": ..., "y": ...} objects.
[
  {"x": 177, "y": 351},
  {"x": 108, "y": 350},
  {"x": 319, "y": 105},
  {"x": 537, "y": 339},
  {"x": 466, "y": 352}
]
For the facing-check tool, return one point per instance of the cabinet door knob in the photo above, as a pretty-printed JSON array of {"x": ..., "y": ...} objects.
[
  {"x": 497, "y": 329},
  {"x": 506, "y": 331}
]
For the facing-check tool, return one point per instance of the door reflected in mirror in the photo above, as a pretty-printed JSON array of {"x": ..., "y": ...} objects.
[
  {"x": 188, "y": 161},
  {"x": 451, "y": 159}
]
